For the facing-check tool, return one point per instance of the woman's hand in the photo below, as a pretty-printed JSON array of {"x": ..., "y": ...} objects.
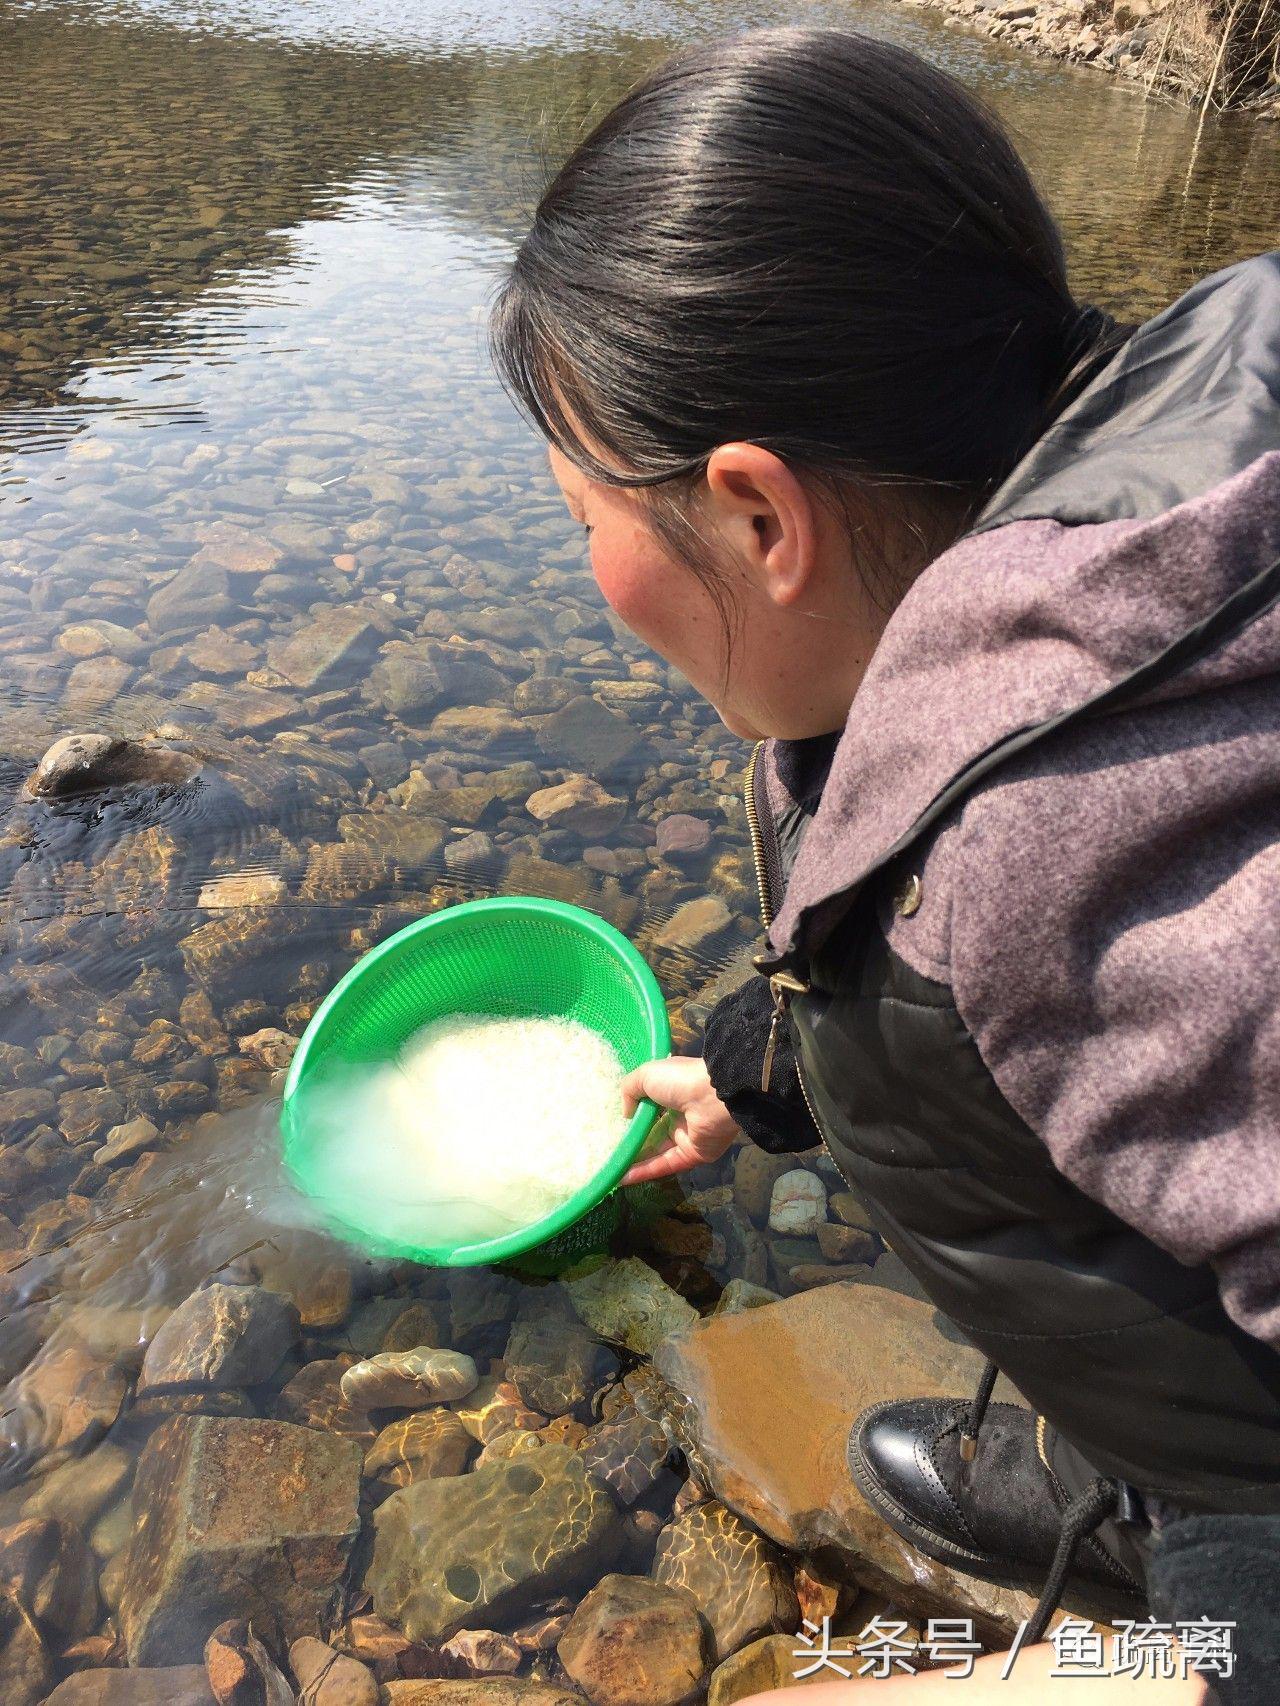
[{"x": 703, "y": 1128}]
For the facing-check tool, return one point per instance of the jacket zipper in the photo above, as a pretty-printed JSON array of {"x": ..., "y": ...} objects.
[{"x": 782, "y": 985}]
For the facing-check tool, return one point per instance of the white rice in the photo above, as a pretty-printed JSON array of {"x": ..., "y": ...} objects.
[{"x": 481, "y": 1125}]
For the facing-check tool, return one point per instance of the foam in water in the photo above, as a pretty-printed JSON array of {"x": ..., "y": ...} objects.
[{"x": 479, "y": 1126}]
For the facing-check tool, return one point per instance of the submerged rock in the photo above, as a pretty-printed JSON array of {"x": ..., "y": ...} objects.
[
  {"x": 741, "y": 1583},
  {"x": 479, "y": 1691},
  {"x": 79, "y": 764},
  {"x": 26, "y": 1670},
  {"x": 233, "y": 1513},
  {"x": 409, "y": 1380},
  {"x": 46, "y": 1568},
  {"x": 241, "y": 1671},
  {"x": 627, "y": 1303},
  {"x": 224, "y": 1336},
  {"x": 763, "y": 1665},
  {"x": 797, "y": 1203},
  {"x": 632, "y": 1642},
  {"x": 483, "y": 1548},
  {"x": 173, "y": 1685},
  {"x": 60, "y": 1405},
  {"x": 327, "y": 1678},
  {"x": 420, "y": 1447}
]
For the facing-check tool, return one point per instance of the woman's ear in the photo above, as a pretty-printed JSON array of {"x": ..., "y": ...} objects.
[{"x": 766, "y": 517}]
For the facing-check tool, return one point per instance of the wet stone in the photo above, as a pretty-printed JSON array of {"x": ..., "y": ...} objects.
[
  {"x": 682, "y": 836},
  {"x": 46, "y": 1568},
  {"x": 627, "y": 1303},
  {"x": 740, "y": 1582},
  {"x": 755, "y": 1171},
  {"x": 313, "y": 1399},
  {"x": 493, "y": 1407},
  {"x": 328, "y": 1678},
  {"x": 83, "y": 1488},
  {"x": 634, "y": 1642},
  {"x": 59, "y": 1406},
  {"x": 230, "y": 1514},
  {"x": 420, "y": 1447},
  {"x": 172, "y": 1685},
  {"x": 480, "y": 1550},
  {"x": 628, "y": 1455},
  {"x": 409, "y": 1379},
  {"x": 555, "y": 1364},
  {"x": 26, "y": 1670},
  {"x": 334, "y": 649},
  {"x": 126, "y": 1142},
  {"x": 222, "y": 1336},
  {"x": 763, "y": 1665},
  {"x": 842, "y": 1244},
  {"x": 484, "y": 1652},
  {"x": 589, "y": 736},
  {"x": 479, "y": 1691},
  {"x": 578, "y": 804},
  {"x": 241, "y": 1671}
]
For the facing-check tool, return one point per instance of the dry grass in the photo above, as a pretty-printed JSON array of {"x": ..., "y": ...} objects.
[{"x": 1220, "y": 53}]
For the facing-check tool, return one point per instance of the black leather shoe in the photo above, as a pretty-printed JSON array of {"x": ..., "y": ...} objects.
[{"x": 986, "y": 1499}]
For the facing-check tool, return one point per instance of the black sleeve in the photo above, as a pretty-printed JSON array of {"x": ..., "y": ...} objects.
[
  {"x": 733, "y": 1045},
  {"x": 1227, "y": 1567}
]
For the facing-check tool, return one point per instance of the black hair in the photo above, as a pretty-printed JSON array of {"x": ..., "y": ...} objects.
[{"x": 809, "y": 239}]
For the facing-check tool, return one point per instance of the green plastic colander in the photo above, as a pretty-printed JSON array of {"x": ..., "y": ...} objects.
[{"x": 512, "y": 956}]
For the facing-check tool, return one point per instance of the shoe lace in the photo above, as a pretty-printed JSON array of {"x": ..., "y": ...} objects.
[
  {"x": 1092, "y": 1504},
  {"x": 1095, "y": 1502}
]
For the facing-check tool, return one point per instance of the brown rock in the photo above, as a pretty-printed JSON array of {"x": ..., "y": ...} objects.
[
  {"x": 224, "y": 1336},
  {"x": 850, "y": 1210},
  {"x": 313, "y": 1399},
  {"x": 479, "y": 1691},
  {"x": 176, "y": 1685},
  {"x": 46, "y": 1568},
  {"x": 313, "y": 1271},
  {"x": 632, "y": 1642},
  {"x": 772, "y": 1662},
  {"x": 484, "y": 1652},
  {"x": 847, "y": 1243},
  {"x": 326, "y": 1678},
  {"x": 578, "y": 804},
  {"x": 233, "y": 1513},
  {"x": 752, "y": 1379},
  {"x": 740, "y": 1582},
  {"x": 26, "y": 1672},
  {"x": 126, "y": 1142},
  {"x": 494, "y": 1406},
  {"x": 60, "y": 1405},
  {"x": 419, "y": 1447},
  {"x": 241, "y": 1671},
  {"x": 419, "y": 1324},
  {"x": 402, "y": 1380}
]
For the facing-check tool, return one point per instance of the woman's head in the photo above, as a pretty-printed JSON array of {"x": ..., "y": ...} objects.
[{"x": 786, "y": 316}]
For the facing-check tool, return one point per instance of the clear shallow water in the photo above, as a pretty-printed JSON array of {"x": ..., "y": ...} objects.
[{"x": 244, "y": 260}]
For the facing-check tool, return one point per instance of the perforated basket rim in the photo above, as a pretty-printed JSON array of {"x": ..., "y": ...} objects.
[{"x": 599, "y": 1185}]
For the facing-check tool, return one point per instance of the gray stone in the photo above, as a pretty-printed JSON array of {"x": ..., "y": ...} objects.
[
  {"x": 797, "y": 1203},
  {"x": 589, "y": 736},
  {"x": 330, "y": 651}
]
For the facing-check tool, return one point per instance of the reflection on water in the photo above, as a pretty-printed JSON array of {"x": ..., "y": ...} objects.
[{"x": 263, "y": 505}]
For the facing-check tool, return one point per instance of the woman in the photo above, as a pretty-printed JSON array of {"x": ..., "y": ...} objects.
[{"x": 991, "y": 582}]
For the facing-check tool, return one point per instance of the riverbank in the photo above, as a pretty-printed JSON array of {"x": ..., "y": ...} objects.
[{"x": 1177, "y": 49}]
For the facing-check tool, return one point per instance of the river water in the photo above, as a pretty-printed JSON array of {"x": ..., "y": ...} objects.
[{"x": 263, "y": 504}]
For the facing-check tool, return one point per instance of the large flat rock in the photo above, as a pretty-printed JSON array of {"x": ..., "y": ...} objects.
[
  {"x": 770, "y": 1395},
  {"x": 232, "y": 1514}
]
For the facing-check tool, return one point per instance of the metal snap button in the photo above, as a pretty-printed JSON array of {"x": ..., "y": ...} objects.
[{"x": 908, "y": 895}]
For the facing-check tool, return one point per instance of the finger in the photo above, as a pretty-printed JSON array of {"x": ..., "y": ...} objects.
[{"x": 667, "y": 1161}]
